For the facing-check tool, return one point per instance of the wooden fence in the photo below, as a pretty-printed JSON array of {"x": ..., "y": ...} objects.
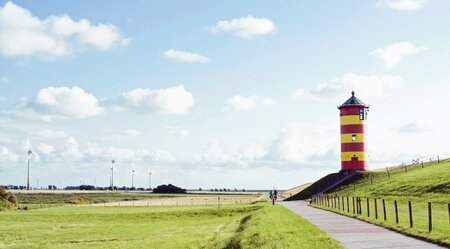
[{"x": 353, "y": 206}]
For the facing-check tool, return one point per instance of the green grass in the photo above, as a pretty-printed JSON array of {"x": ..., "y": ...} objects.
[
  {"x": 420, "y": 186},
  {"x": 85, "y": 198},
  {"x": 247, "y": 226}
]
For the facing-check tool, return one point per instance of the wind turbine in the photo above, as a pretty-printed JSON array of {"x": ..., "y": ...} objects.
[
  {"x": 113, "y": 161},
  {"x": 30, "y": 154},
  {"x": 132, "y": 179}
]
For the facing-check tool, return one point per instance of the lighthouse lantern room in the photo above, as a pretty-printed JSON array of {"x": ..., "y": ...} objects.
[{"x": 353, "y": 114}]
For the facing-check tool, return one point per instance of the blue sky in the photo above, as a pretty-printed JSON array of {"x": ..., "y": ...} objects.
[{"x": 221, "y": 94}]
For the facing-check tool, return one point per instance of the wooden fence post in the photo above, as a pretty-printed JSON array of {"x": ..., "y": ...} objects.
[
  {"x": 438, "y": 159},
  {"x": 422, "y": 164},
  {"x": 406, "y": 169},
  {"x": 387, "y": 170},
  {"x": 348, "y": 205},
  {"x": 384, "y": 209},
  {"x": 359, "y": 206},
  {"x": 448, "y": 213},
  {"x": 396, "y": 211},
  {"x": 343, "y": 206},
  {"x": 353, "y": 200},
  {"x": 368, "y": 208},
  {"x": 376, "y": 208},
  {"x": 371, "y": 181},
  {"x": 410, "y": 214},
  {"x": 339, "y": 203},
  {"x": 430, "y": 218}
]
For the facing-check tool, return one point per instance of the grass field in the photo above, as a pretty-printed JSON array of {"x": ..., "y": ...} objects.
[
  {"x": 420, "y": 186},
  {"x": 234, "y": 226}
]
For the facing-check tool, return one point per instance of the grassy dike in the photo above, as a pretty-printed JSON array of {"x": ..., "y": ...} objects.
[
  {"x": 239, "y": 226},
  {"x": 420, "y": 186}
]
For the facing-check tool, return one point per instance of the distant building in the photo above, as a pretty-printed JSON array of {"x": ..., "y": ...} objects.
[{"x": 353, "y": 114}]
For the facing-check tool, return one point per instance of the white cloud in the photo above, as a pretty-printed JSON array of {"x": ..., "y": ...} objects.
[
  {"x": 71, "y": 151},
  {"x": 58, "y": 103},
  {"x": 363, "y": 85},
  {"x": 245, "y": 27},
  {"x": 184, "y": 56},
  {"x": 50, "y": 134},
  {"x": 241, "y": 103},
  {"x": 45, "y": 149},
  {"x": 405, "y": 5},
  {"x": 173, "y": 100},
  {"x": 300, "y": 143},
  {"x": 132, "y": 132},
  {"x": 22, "y": 34},
  {"x": 236, "y": 153},
  {"x": 393, "y": 54},
  {"x": 177, "y": 131},
  {"x": 6, "y": 155},
  {"x": 413, "y": 128}
]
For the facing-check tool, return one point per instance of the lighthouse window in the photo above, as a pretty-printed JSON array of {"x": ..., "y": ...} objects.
[
  {"x": 354, "y": 137},
  {"x": 362, "y": 114}
]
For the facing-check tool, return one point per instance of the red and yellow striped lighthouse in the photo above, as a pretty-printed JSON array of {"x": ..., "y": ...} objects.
[{"x": 353, "y": 114}]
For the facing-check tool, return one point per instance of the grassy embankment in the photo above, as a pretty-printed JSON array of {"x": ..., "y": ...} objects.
[
  {"x": 236, "y": 226},
  {"x": 419, "y": 185}
]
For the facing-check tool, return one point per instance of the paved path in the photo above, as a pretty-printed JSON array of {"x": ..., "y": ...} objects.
[{"x": 353, "y": 233}]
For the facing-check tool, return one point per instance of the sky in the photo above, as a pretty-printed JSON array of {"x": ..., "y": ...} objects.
[{"x": 223, "y": 94}]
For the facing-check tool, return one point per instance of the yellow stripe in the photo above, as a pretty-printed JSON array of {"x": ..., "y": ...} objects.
[
  {"x": 347, "y": 138},
  {"x": 351, "y": 119},
  {"x": 347, "y": 156}
]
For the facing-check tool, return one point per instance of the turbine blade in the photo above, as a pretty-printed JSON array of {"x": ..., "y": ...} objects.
[
  {"x": 28, "y": 143},
  {"x": 35, "y": 155},
  {"x": 28, "y": 158}
]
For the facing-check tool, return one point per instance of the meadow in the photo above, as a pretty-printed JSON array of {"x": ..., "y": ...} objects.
[
  {"x": 257, "y": 225},
  {"x": 420, "y": 186}
]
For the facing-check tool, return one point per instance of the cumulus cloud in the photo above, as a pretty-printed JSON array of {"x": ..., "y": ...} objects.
[
  {"x": 393, "y": 54},
  {"x": 72, "y": 151},
  {"x": 184, "y": 56},
  {"x": 50, "y": 134},
  {"x": 404, "y": 5},
  {"x": 6, "y": 155},
  {"x": 236, "y": 153},
  {"x": 241, "y": 103},
  {"x": 245, "y": 27},
  {"x": 22, "y": 34},
  {"x": 45, "y": 149},
  {"x": 412, "y": 127},
  {"x": 299, "y": 142},
  {"x": 172, "y": 100},
  {"x": 59, "y": 103},
  {"x": 365, "y": 85},
  {"x": 177, "y": 131},
  {"x": 132, "y": 132},
  {"x": 122, "y": 155}
]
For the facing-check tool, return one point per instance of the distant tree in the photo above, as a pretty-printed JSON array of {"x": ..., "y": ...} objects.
[
  {"x": 199, "y": 189},
  {"x": 169, "y": 189}
]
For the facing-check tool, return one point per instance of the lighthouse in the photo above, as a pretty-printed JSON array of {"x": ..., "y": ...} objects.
[{"x": 353, "y": 114}]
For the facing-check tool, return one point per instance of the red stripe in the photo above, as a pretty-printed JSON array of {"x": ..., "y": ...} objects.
[
  {"x": 349, "y": 111},
  {"x": 353, "y": 128},
  {"x": 348, "y": 165},
  {"x": 348, "y": 147}
]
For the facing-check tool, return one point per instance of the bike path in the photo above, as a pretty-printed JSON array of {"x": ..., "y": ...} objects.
[{"x": 354, "y": 233}]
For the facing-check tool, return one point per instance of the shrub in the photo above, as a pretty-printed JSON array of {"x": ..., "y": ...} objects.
[
  {"x": 169, "y": 189},
  {"x": 7, "y": 200}
]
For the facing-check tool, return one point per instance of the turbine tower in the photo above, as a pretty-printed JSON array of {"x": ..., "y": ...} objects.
[
  {"x": 113, "y": 161},
  {"x": 28, "y": 161}
]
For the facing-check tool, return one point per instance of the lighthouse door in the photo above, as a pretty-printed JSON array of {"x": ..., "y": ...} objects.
[{"x": 355, "y": 162}]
